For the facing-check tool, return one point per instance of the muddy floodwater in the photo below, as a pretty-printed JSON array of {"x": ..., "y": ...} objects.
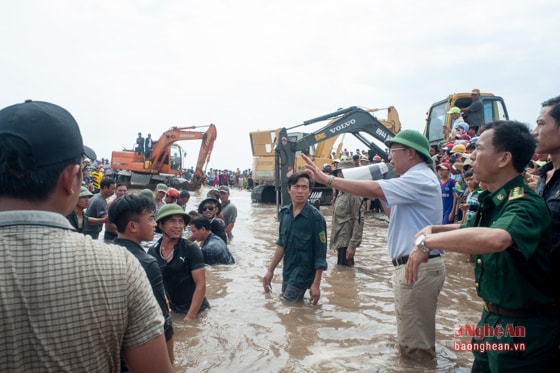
[{"x": 352, "y": 329}]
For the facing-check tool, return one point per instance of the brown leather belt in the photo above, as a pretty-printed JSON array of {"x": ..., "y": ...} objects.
[
  {"x": 544, "y": 311},
  {"x": 403, "y": 259}
]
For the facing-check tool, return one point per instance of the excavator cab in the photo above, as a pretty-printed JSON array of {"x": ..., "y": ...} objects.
[{"x": 437, "y": 117}]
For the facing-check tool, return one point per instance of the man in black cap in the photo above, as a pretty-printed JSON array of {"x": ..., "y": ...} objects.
[{"x": 69, "y": 303}]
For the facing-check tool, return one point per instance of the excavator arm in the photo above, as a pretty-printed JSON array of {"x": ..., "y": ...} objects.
[
  {"x": 352, "y": 120},
  {"x": 160, "y": 152},
  {"x": 205, "y": 152}
]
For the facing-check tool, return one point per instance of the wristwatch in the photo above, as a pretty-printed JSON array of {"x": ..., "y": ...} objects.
[{"x": 420, "y": 243}]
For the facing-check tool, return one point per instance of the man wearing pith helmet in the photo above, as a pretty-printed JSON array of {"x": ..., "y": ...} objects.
[
  {"x": 413, "y": 201},
  {"x": 181, "y": 263}
]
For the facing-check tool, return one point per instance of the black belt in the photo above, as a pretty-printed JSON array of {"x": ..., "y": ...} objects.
[
  {"x": 403, "y": 259},
  {"x": 544, "y": 311}
]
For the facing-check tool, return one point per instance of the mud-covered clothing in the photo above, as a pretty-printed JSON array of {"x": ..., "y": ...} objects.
[
  {"x": 215, "y": 251},
  {"x": 69, "y": 303},
  {"x": 518, "y": 278},
  {"x": 304, "y": 240},
  {"x": 177, "y": 274},
  {"x": 97, "y": 208},
  {"x": 347, "y": 226},
  {"x": 74, "y": 221},
  {"x": 155, "y": 277}
]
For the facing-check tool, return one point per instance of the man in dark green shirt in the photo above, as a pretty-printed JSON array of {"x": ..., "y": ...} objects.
[
  {"x": 302, "y": 242},
  {"x": 509, "y": 237}
]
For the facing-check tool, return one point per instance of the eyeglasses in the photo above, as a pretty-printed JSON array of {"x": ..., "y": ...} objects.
[
  {"x": 209, "y": 208},
  {"x": 392, "y": 151}
]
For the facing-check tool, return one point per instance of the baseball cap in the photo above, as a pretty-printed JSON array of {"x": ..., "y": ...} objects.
[
  {"x": 475, "y": 91},
  {"x": 49, "y": 130},
  {"x": 162, "y": 187},
  {"x": 464, "y": 126},
  {"x": 224, "y": 189},
  {"x": 459, "y": 149},
  {"x": 454, "y": 110},
  {"x": 213, "y": 193},
  {"x": 444, "y": 165}
]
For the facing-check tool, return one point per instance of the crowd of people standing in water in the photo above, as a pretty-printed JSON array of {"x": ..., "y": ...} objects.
[{"x": 505, "y": 213}]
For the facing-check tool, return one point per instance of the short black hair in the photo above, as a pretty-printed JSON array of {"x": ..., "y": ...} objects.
[
  {"x": 201, "y": 222},
  {"x": 184, "y": 194},
  {"x": 129, "y": 208},
  {"x": 555, "y": 111},
  {"x": 106, "y": 182},
  {"x": 513, "y": 137},
  {"x": 293, "y": 179}
]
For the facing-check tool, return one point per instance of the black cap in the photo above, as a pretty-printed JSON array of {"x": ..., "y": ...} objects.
[
  {"x": 205, "y": 201},
  {"x": 50, "y": 131}
]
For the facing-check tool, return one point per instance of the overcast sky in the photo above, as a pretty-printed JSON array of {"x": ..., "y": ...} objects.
[{"x": 128, "y": 66}]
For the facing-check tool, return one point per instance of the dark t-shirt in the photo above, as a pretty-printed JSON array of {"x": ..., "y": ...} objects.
[
  {"x": 177, "y": 274},
  {"x": 153, "y": 273},
  {"x": 97, "y": 208}
]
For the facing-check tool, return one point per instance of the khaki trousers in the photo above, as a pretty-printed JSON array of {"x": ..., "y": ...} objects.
[{"x": 415, "y": 307}]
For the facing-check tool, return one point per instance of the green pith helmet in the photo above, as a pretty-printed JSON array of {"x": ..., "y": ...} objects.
[
  {"x": 147, "y": 193},
  {"x": 84, "y": 192},
  {"x": 415, "y": 140},
  {"x": 172, "y": 209}
]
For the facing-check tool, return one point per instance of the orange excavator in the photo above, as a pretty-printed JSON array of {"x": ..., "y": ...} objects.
[{"x": 165, "y": 162}]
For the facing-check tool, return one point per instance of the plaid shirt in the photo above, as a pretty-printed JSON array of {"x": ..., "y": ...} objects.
[
  {"x": 69, "y": 303},
  {"x": 215, "y": 251}
]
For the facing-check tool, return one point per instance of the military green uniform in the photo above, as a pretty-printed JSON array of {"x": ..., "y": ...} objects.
[
  {"x": 305, "y": 245},
  {"x": 515, "y": 283}
]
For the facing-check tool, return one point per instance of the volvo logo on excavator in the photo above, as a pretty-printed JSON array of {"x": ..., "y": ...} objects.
[
  {"x": 342, "y": 126},
  {"x": 382, "y": 133}
]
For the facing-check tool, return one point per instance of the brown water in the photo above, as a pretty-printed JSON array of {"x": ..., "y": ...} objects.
[{"x": 352, "y": 329}]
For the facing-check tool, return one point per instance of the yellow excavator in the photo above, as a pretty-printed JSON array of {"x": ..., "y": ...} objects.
[
  {"x": 276, "y": 153},
  {"x": 437, "y": 117}
]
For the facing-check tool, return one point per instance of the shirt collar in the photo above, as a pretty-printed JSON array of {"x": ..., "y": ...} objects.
[{"x": 34, "y": 217}]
